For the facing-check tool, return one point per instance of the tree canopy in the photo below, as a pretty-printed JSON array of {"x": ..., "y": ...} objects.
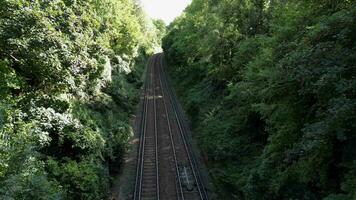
[
  {"x": 270, "y": 90},
  {"x": 69, "y": 79}
]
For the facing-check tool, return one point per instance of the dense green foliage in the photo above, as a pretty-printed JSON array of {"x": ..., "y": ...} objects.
[
  {"x": 270, "y": 87},
  {"x": 68, "y": 88}
]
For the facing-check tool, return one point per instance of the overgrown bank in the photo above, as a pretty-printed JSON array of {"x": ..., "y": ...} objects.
[
  {"x": 270, "y": 89},
  {"x": 69, "y": 81}
]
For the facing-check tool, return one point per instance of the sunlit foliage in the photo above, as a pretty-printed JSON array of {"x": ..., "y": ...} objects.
[{"x": 68, "y": 88}]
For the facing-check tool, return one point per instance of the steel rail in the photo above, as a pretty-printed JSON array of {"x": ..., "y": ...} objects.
[
  {"x": 138, "y": 183},
  {"x": 155, "y": 130},
  {"x": 149, "y": 84},
  {"x": 183, "y": 132},
  {"x": 180, "y": 192}
]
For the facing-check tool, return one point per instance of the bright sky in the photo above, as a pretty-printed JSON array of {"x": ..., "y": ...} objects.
[{"x": 166, "y": 10}]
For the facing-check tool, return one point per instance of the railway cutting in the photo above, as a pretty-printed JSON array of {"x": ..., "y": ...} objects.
[{"x": 167, "y": 168}]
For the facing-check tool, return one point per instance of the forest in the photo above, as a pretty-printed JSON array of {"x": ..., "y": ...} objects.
[
  {"x": 70, "y": 73},
  {"x": 269, "y": 87},
  {"x": 270, "y": 90}
]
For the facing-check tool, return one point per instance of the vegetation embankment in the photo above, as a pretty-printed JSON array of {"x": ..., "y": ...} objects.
[
  {"x": 69, "y": 81},
  {"x": 270, "y": 89}
]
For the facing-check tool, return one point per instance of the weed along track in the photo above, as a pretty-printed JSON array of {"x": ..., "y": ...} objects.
[{"x": 166, "y": 165}]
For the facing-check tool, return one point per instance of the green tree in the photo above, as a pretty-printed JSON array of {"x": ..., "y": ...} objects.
[
  {"x": 269, "y": 86},
  {"x": 69, "y": 81}
]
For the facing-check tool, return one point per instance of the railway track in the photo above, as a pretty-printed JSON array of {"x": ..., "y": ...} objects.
[
  {"x": 147, "y": 175},
  {"x": 166, "y": 165}
]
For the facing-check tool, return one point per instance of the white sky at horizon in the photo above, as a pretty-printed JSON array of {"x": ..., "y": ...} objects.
[{"x": 167, "y": 10}]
